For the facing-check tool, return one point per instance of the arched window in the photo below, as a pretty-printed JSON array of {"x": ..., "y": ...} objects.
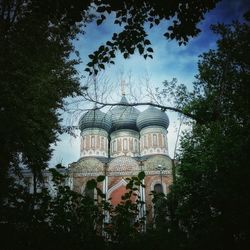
[
  {"x": 81, "y": 146},
  {"x": 135, "y": 145},
  {"x": 158, "y": 188},
  {"x": 83, "y": 142},
  {"x": 102, "y": 143},
  {"x": 92, "y": 141},
  {"x": 114, "y": 146},
  {"x": 145, "y": 141},
  {"x": 125, "y": 144},
  {"x": 154, "y": 140}
]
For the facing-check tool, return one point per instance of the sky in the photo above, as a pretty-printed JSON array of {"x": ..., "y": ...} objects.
[{"x": 169, "y": 61}]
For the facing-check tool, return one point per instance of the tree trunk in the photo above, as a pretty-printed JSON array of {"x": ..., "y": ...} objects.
[
  {"x": 4, "y": 166},
  {"x": 34, "y": 182}
]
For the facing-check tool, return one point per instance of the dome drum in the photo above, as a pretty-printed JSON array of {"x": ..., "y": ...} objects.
[
  {"x": 153, "y": 140},
  {"x": 132, "y": 133},
  {"x": 124, "y": 142},
  {"x": 94, "y": 142}
]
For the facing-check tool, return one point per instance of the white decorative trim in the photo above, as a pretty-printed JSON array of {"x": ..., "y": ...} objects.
[
  {"x": 94, "y": 131},
  {"x": 121, "y": 173},
  {"x": 121, "y": 183}
]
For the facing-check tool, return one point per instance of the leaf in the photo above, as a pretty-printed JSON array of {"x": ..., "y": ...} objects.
[
  {"x": 117, "y": 22},
  {"x": 150, "y": 49},
  {"x": 109, "y": 43},
  {"x": 126, "y": 55},
  {"x": 102, "y": 66},
  {"x": 77, "y": 53},
  {"x": 166, "y": 35},
  {"x": 100, "y": 178},
  {"x": 99, "y": 21},
  {"x": 141, "y": 175},
  {"x": 114, "y": 36},
  {"x": 129, "y": 185},
  {"x": 101, "y": 8},
  {"x": 157, "y": 21},
  {"x": 101, "y": 48},
  {"x": 90, "y": 64},
  {"x": 100, "y": 193},
  {"x": 140, "y": 48},
  {"x": 105, "y": 59},
  {"x": 91, "y": 184}
]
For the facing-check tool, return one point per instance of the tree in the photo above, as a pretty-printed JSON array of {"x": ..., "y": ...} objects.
[
  {"x": 63, "y": 219},
  {"x": 37, "y": 73},
  {"x": 135, "y": 17},
  {"x": 132, "y": 16},
  {"x": 211, "y": 189}
]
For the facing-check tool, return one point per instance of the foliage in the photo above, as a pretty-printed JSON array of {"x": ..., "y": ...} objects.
[
  {"x": 208, "y": 207},
  {"x": 62, "y": 218},
  {"x": 213, "y": 171},
  {"x": 135, "y": 19},
  {"x": 37, "y": 72},
  {"x": 122, "y": 223}
]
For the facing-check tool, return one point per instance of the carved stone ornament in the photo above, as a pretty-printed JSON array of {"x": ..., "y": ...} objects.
[
  {"x": 87, "y": 165},
  {"x": 153, "y": 162},
  {"x": 123, "y": 164}
]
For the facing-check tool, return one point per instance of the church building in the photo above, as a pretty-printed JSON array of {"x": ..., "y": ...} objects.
[{"x": 120, "y": 144}]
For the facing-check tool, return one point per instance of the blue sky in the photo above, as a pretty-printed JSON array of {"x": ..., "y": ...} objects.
[{"x": 170, "y": 60}]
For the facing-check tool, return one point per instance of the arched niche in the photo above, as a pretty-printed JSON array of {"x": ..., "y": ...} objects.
[
  {"x": 123, "y": 164},
  {"x": 87, "y": 165},
  {"x": 154, "y": 161}
]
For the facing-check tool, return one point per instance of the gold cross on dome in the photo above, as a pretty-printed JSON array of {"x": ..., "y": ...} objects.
[{"x": 123, "y": 84}]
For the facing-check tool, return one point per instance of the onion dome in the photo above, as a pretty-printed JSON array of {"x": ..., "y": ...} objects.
[
  {"x": 152, "y": 117},
  {"x": 124, "y": 117},
  {"x": 95, "y": 119}
]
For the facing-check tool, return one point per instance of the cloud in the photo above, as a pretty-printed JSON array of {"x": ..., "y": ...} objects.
[
  {"x": 170, "y": 60},
  {"x": 67, "y": 150}
]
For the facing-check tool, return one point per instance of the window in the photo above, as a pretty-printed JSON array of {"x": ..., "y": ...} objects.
[
  {"x": 158, "y": 188},
  {"x": 125, "y": 144},
  {"x": 83, "y": 142},
  {"x": 145, "y": 141},
  {"x": 102, "y": 143},
  {"x": 92, "y": 141},
  {"x": 135, "y": 145},
  {"x": 154, "y": 140}
]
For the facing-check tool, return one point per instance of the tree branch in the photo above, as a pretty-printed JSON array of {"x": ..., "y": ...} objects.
[{"x": 162, "y": 107}]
